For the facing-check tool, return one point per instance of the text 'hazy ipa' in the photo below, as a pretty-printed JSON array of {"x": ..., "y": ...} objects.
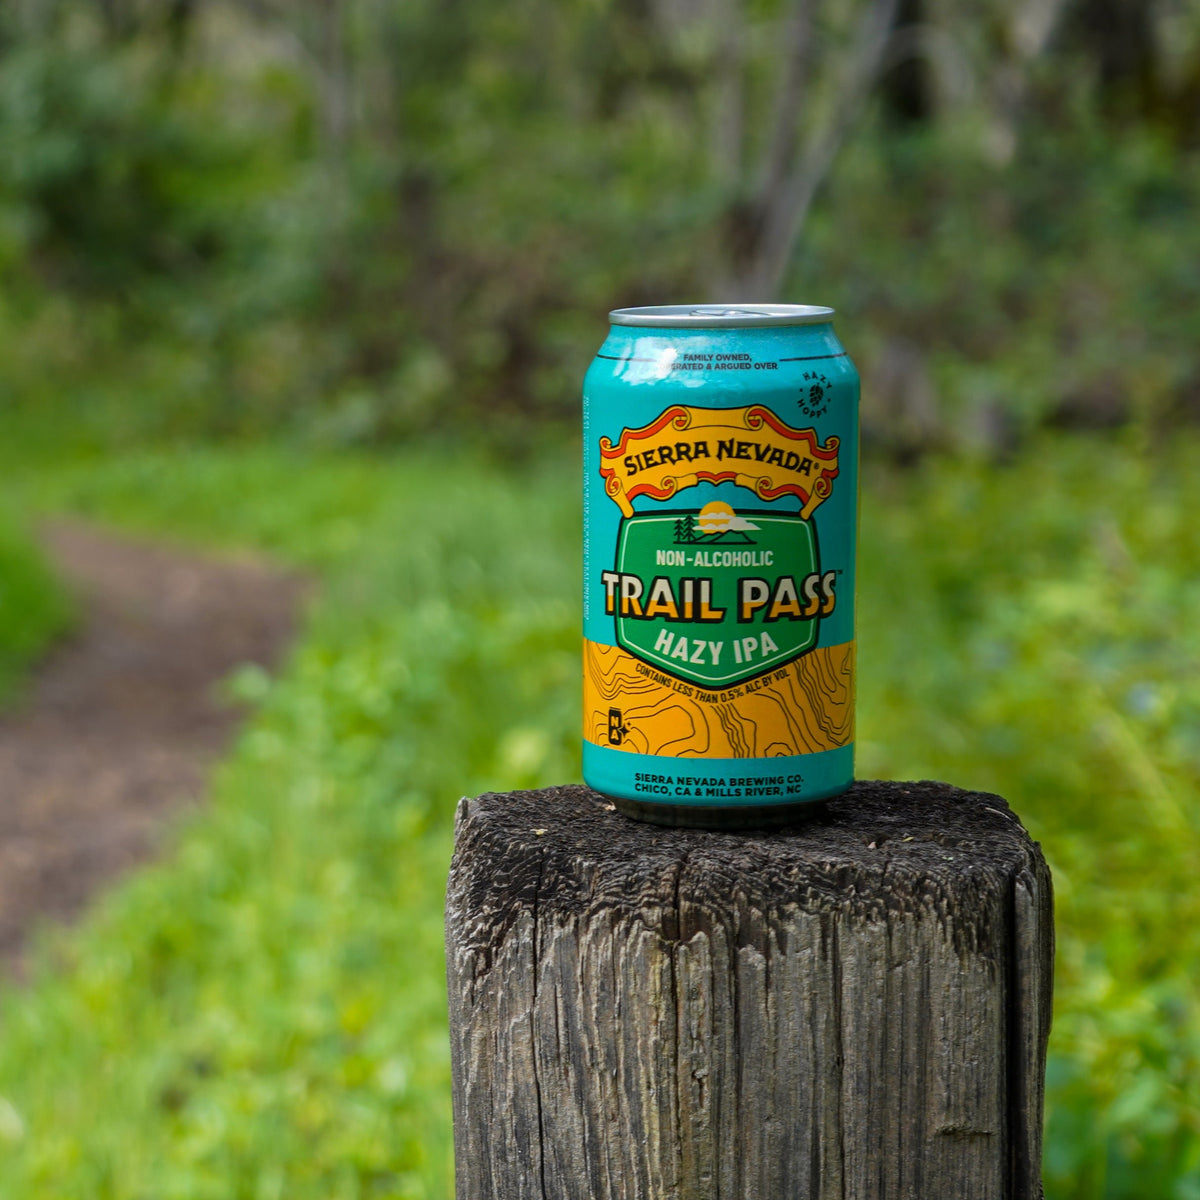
[{"x": 720, "y": 499}]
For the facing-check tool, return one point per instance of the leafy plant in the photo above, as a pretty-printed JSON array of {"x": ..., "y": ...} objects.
[{"x": 34, "y": 608}]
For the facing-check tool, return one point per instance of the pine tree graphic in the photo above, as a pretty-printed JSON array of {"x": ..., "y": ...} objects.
[{"x": 684, "y": 532}]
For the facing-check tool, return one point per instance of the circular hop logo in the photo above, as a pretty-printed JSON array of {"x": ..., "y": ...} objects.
[{"x": 814, "y": 395}]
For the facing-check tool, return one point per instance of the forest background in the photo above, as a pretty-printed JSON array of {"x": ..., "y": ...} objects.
[{"x": 320, "y": 280}]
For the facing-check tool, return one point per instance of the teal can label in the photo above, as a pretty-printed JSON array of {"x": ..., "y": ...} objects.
[{"x": 720, "y": 502}]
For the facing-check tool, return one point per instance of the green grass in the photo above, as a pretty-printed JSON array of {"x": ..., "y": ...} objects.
[
  {"x": 1033, "y": 631},
  {"x": 262, "y": 1013},
  {"x": 34, "y": 609}
]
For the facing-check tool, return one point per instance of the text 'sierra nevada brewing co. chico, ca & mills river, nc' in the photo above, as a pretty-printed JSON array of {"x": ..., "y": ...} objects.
[{"x": 720, "y": 504}]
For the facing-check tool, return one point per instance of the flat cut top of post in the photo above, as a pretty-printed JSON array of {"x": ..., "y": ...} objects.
[{"x": 881, "y": 848}]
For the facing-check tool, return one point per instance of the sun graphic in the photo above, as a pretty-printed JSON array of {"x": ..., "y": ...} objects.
[{"x": 719, "y": 517}]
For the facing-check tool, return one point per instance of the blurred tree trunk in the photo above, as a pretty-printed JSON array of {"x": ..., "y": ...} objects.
[
  {"x": 21, "y": 19},
  {"x": 907, "y": 86},
  {"x": 334, "y": 80},
  {"x": 181, "y": 15},
  {"x": 317, "y": 34},
  {"x": 728, "y": 119},
  {"x": 1126, "y": 39},
  {"x": 115, "y": 18},
  {"x": 1023, "y": 32},
  {"x": 760, "y": 229},
  {"x": 1121, "y": 35}
]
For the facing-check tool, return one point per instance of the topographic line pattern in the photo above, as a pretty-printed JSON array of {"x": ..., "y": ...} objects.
[{"x": 803, "y": 708}]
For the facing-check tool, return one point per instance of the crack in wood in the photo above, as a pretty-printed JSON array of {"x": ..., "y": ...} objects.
[{"x": 715, "y": 1016}]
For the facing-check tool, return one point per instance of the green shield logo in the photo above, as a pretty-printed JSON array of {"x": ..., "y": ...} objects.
[{"x": 716, "y": 596}]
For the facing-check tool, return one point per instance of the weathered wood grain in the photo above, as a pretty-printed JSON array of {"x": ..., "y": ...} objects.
[{"x": 852, "y": 1009}]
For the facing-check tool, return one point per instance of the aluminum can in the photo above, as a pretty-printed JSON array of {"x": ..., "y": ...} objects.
[{"x": 720, "y": 508}]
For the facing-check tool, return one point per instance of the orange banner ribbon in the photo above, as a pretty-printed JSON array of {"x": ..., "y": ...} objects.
[{"x": 748, "y": 446}]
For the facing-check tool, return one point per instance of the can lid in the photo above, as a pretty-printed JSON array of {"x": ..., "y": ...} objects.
[{"x": 721, "y": 316}]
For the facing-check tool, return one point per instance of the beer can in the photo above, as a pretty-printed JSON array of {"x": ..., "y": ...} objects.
[{"x": 720, "y": 509}]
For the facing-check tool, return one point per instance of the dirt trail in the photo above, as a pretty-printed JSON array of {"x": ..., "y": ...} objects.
[{"x": 123, "y": 721}]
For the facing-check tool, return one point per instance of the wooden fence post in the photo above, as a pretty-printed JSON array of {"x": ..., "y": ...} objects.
[{"x": 853, "y": 1008}]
